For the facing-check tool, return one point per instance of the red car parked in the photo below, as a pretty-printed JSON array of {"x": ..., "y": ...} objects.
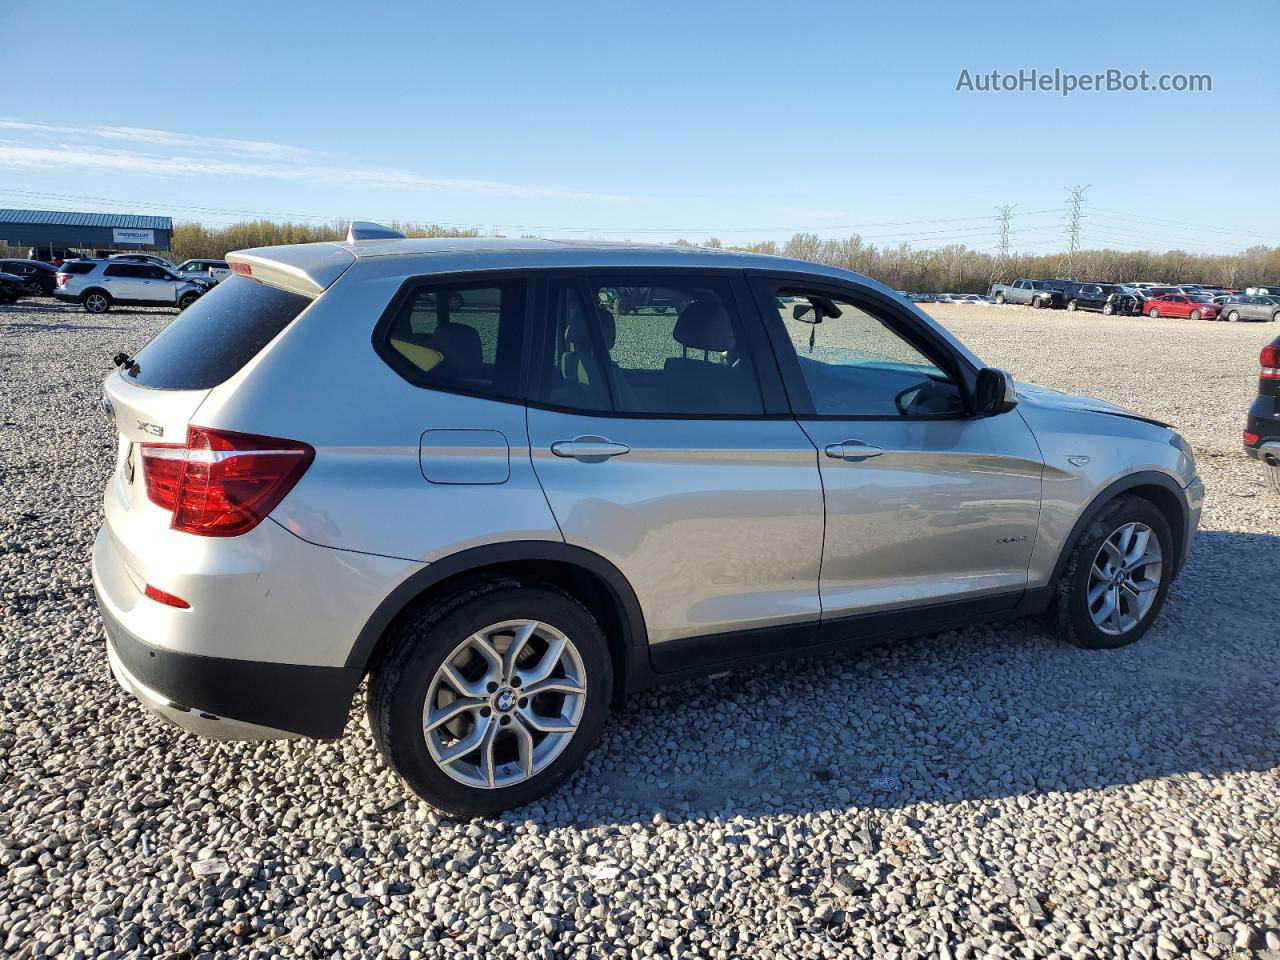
[{"x": 1189, "y": 306}]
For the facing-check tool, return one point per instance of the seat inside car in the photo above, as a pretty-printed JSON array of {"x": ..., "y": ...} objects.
[
  {"x": 576, "y": 370},
  {"x": 706, "y": 384}
]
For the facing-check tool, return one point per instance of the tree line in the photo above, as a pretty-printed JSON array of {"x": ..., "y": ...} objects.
[{"x": 954, "y": 268}]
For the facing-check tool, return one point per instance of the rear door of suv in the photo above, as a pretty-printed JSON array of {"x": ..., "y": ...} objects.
[{"x": 660, "y": 434}]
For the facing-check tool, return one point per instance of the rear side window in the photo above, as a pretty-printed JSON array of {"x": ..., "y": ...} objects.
[
  {"x": 461, "y": 337},
  {"x": 77, "y": 266},
  {"x": 216, "y": 336}
]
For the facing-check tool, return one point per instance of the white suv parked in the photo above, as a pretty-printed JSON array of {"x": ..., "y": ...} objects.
[{"x": 99, "y": 285}]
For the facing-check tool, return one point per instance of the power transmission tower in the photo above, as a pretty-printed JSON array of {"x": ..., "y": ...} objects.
[
  {"x": 1002, "y": 238},
  {"x": 1075, "y": 203}
]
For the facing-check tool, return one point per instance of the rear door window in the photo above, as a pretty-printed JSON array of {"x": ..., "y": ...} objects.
[
  {"x": 654, "y": 345},
  {"x": 217, "y": 335}
]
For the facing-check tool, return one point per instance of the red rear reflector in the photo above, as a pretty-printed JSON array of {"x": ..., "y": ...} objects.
[
  {"x": 1270, "y": 360},
  {"x": 1250, "y": 439},
  {"x": 168, "y": 599},
  {"x": 244, "y": 269},
  {"x": 222, "y": 484}
]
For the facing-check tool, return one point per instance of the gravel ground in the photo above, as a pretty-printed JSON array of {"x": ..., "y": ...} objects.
[{"x": 988, "y": 792}]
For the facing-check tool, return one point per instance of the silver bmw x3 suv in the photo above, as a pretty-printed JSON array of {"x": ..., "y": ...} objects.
[{"x": 510, "y": 481}]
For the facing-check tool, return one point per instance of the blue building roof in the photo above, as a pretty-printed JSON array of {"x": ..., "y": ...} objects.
[{"x": 61, "y": 218}]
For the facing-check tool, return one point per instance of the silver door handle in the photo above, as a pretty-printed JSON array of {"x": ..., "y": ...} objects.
[
  {"x": 853, "y": 450},
  {"x": 589, "y": 449}
]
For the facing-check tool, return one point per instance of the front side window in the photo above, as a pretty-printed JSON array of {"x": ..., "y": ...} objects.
[
  {"x": 854, "y": 364},
  {"x": 663, "y": 345},
  {"x": 464, "y": 337}
]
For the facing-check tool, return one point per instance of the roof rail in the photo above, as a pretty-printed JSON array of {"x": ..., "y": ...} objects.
[{"x": 365, "y": 230}]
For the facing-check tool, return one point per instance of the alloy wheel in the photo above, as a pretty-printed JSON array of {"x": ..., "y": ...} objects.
[
  {"x": 504, "y": 704},
  {"x": 96, "y": 303},
  {"x": 1125, "y": 578}
]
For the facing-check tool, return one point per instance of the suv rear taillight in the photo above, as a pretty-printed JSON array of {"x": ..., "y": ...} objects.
[
  {"x": 1270, "y": 360},
  {"x": 62, "y": 278},
  {"x": 222, "y": 484}
]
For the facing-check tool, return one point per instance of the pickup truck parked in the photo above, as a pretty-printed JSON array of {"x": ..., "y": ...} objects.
[{"x": 1037, "y": 293}]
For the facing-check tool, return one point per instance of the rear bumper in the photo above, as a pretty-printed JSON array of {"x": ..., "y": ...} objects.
[
  {"x": 66, "y": 297},
  {"x": 230, "y": 699},
  {"x": 262, "y": 649},
  {"x": 1264, "y": 421}
]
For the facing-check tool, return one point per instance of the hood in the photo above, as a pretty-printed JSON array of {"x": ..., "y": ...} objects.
[{"x": 1038, "y": 396}]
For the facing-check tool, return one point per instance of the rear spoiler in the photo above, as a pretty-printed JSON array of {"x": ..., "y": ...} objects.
[{"x": 305, "y": 268}]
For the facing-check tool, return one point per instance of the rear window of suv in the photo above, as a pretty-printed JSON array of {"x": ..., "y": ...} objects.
[
  {"x": 216, "y": 336},
  {"x": 77, "y": 266}
]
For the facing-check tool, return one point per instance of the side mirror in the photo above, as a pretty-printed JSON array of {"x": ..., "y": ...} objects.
[{"x": 995, "y": 393}]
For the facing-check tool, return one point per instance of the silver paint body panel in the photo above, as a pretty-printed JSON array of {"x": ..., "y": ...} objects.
[{"x": 717, "y": 524}]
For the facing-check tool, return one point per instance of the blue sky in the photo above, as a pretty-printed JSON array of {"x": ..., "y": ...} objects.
[{"x": 653, "y": 121}]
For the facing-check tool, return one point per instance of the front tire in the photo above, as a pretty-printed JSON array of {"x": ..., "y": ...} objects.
[
  {"x": 471, "y": 727},
  {"x": 1116, "y": 577},
  {"x": 1194, "y": 315},
  {"x": 1000, "y": 299},
  {"x": 1108, "y": 309},
  {"x": 187, "y": 299},
  {"x": 1233, "y": 316},
  {"x": 1071, "y": 306},
  {"x": 1153, "y": 313}
]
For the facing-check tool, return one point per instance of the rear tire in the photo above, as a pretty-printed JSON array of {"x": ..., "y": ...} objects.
[
  {"x": 96, "y": 301},
  {"x": 1071, "y": 306},
  {"x": 1086, "y": 574},
  {"x": 413, "y": 669}
]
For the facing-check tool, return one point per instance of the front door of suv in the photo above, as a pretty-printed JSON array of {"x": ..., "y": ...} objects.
[
  {"x": 660, "y": 433},
  {"x": 159, "y": 286},
  {"x": 926, "y": 504}
]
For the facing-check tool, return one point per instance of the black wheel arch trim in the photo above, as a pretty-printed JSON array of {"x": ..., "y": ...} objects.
[
  {"x": 634, "y": 641},
  {"x": 1144, "y": 478}
]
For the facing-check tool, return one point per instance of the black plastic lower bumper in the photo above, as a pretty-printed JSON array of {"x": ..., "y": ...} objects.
[
  {"x": 1263, "y": 422},
  {"x": 307, "y": 700}
]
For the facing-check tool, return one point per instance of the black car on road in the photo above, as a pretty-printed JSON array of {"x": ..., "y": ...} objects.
[
  {"x": 1106, "y": 298},
  {"x": 12, "y": 288},
  {"x": 40, "y": 278},
  {"x": 1262, "y": 430}
]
